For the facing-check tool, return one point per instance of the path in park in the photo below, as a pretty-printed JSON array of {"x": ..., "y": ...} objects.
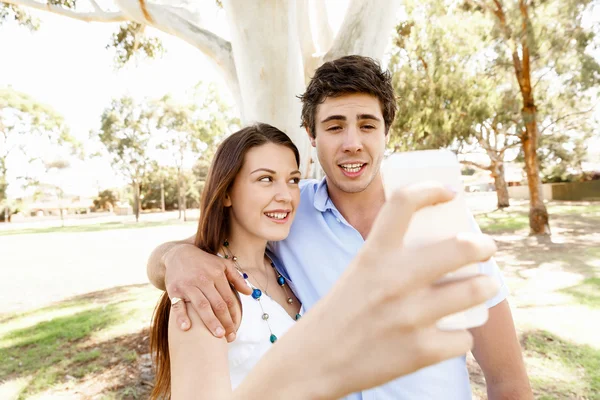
[{"x": 37, "y": 269}]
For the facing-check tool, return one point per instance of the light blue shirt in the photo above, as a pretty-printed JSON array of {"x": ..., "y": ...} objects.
[{"x": 320, "y": 245}]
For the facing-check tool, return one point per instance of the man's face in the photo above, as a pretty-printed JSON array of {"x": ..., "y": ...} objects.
[{"x": 350, "y": 140}]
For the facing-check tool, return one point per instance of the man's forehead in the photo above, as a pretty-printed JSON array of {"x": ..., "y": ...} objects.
[{"x": 350, "y": 105}]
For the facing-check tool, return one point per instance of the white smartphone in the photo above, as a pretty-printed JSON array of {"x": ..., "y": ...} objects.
[{"x": 436, "y": 223}]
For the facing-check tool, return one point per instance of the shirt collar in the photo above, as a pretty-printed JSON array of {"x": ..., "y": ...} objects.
[{"x": 322, "y": 202}]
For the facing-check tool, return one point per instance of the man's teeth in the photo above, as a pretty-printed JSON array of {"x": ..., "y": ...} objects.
[
  {"x": 352, "y": 167},
  {"x": 277, "y": 215}
]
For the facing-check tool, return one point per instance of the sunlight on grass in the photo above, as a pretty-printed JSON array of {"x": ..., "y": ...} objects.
[
  {"x": 94, "y": 227},
  {"x": 502, "y": 221},
  {"x": 63, "y": 339},
  {"x": 586, "y": 293},
  {"x": 562, "y": 369}
]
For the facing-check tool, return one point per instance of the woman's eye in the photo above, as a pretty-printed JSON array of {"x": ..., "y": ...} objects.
[
  {"x": 295, "y": 181},
  {"x": 265, "y": 179}
]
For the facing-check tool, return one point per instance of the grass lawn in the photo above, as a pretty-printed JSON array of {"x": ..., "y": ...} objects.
[
  {"x": 93, "y": 227},
  {"x": 92, "y": 340},
  {"x": 555, "y": 297}
]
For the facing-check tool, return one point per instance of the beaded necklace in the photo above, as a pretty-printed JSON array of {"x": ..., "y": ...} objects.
[{"x": 256, "y": 292}]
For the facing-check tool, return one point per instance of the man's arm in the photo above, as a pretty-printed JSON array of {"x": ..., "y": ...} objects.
[
  {"x": 498, "y": 352},
  {"x": 156, "y": 263},
  {"x": 201, "y": 279}
]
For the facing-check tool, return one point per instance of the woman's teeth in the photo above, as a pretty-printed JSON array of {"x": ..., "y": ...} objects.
[
  {"x": 352, "y": 167},
  {"x": 277, "y": 215}
]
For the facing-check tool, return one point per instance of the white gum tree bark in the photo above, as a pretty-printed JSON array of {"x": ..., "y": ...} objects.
[{"x": 274, "y": 47}]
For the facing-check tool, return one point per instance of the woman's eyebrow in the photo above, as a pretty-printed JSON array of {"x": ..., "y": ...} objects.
[{"x": 264, "y": 170}]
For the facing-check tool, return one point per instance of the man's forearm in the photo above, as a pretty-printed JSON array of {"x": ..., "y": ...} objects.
[{"x": 156, "y": 262}]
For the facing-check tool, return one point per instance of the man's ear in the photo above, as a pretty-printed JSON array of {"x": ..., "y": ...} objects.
[
  {"x": 310, "y": 137},
  {"x": 227, "y": 201}
]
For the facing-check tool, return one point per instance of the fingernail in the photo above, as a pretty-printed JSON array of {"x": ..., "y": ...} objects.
[
  {"x": 219, "y": 332},
  {"x": 184, "y": 325},
  {"x": 231, "y": 337}
]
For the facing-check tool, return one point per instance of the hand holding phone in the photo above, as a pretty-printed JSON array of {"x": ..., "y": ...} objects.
[{"x": 440, "y": 222}]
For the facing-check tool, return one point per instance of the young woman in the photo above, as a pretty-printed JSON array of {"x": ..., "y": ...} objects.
[{"x": 250, "y": 198}]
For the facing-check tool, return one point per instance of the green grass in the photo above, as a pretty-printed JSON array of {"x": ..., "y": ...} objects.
[
  {"x": 93, "y": 227},
  {"x": 79, "y": 337},
  {"x": 502, "y": 221},
  {"x": 586, "y": 293},
  {"x": 562, "y": 369},
  {"x": 517, "y": 218}
]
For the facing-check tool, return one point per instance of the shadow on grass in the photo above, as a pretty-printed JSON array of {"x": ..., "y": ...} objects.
[
  {"x": 572, "y": 245},
  {"x": 61, "y": 349},
  {"x": 579, "y": 365},
  {"x": 93, "y": 227},
  {"x": 101, "y": 297}
]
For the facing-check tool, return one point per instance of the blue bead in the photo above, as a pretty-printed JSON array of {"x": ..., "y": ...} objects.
[
  {"x": 273, "y": 338},
  {"x": 245, "y": 275},
  {"x": 281, "y": 280},
  {"x": 298, "y": 317},
  {"x": 256, "y": 293}
]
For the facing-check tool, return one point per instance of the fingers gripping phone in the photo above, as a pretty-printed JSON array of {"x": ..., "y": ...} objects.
[{"x": 436, "y": 223}]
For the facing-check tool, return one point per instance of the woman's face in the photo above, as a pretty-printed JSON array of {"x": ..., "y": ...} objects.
[{"x": 265, "y": 194}]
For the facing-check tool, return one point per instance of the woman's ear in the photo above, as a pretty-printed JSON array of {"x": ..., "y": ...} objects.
[{"x": 227, "y": 201}]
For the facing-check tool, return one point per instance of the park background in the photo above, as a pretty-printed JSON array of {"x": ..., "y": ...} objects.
[{"x": 107, "y": 129}]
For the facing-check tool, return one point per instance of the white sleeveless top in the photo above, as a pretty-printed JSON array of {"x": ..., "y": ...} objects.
[{"x": 253, "y": 336}]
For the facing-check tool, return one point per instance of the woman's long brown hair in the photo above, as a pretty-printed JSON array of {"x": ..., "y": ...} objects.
[{"x": 213, "y": 229}]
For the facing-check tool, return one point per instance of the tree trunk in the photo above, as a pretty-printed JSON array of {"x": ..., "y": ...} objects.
[
  {"x": 136, "y": 200},
  {"x": 179, "y": 200},
  {"x": 538, "y": 215},
  {"x": 269, "y": 65},
  {"x": 184, "y": 200},
  {"x": 501, "y": 186},
  {"x": 162, "y": 196}
]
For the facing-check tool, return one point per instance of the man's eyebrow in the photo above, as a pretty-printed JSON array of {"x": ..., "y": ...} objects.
[
  {"x": 334, "y": 117},
  {"x": 368, "y": 116},
  {"x": 264, "y": 170}
]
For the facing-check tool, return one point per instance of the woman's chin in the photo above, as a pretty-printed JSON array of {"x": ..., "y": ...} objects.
[{"x": 275, "y": 235}]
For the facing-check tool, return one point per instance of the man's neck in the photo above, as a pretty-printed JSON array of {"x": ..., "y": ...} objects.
[{"x": 359, "y": 209}]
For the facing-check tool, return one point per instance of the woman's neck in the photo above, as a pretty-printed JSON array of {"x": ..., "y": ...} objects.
[{"x": 249, "y": 250}]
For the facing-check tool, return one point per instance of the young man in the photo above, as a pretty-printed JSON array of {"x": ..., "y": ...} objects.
[{"x": 348, "y": 108}]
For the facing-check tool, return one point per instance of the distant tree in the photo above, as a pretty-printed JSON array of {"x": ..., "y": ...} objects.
[
  {"x": 29, "y": 130},
  {"x": 126, "y": 132},
  {"x": 541, "y": 42},
  {"x": 188, "y": 128},
  {"x": 106, "y": 200}
]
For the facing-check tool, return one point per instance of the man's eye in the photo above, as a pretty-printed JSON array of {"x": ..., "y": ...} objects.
[
  {"x": 334, "y": 128},
  {"x": 368, "y": 127},
  {"x": 265, "y": 179}
]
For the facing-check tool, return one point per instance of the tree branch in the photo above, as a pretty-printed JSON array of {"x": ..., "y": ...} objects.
[
  {"x": 179, "y": 22},
  {"x": 568, "y": 116},
  {"x": 324, "y": 39},
  {"x": 477, "y": 165},
  {"x": 365, "y": 29},
  {"x": 96, "y": 16},
  {"x": 307, "y": 45}
]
